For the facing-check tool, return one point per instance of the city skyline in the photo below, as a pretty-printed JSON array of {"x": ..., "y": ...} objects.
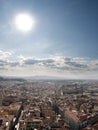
[{"x": 63, "y": 42}]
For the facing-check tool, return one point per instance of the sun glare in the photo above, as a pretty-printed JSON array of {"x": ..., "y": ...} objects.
[{"x": 24, "y": 22}]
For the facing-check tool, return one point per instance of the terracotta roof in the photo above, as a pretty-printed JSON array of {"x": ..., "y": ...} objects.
[{"x": 72, "y": 115}]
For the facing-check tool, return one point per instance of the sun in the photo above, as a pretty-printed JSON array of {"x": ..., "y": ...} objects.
[{"x": 24, "y": 22}]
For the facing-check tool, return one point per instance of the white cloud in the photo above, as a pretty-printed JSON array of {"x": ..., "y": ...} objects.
[
  {"x": 62, "y": 66},
  {"x": 4, "y": 55}
]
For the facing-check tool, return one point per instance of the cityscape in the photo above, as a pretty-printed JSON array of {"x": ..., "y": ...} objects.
[
  {"x": 50, "y": 104},
  {"x": 48, "y": 64}
]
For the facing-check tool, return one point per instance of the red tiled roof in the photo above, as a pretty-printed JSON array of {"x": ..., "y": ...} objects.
[{"x": 72, "y": 115}]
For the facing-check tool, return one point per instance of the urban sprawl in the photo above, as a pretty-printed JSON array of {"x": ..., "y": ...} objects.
[{"x": 32, "y": 104}]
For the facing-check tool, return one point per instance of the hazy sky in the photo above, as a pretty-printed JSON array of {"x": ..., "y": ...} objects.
[{"x": 63, "y": 42}]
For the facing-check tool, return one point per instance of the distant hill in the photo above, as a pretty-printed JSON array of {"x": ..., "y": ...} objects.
[
  {"x": 44, "y": 78},
  {"x": 11, "y": 79}
]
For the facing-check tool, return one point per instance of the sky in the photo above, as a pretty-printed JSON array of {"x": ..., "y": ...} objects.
[{"x": 63, "y": 42}]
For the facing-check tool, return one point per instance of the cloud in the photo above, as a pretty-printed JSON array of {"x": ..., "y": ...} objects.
[
  {"x": 2, "y": 63},
  {"x": 30, "y": 61},
  {"x": 77, "y": 65},
  {"x": 54, "y": 65},
  {"x": 4, "y": 54},
  {"x": 14, "y": 64}
]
